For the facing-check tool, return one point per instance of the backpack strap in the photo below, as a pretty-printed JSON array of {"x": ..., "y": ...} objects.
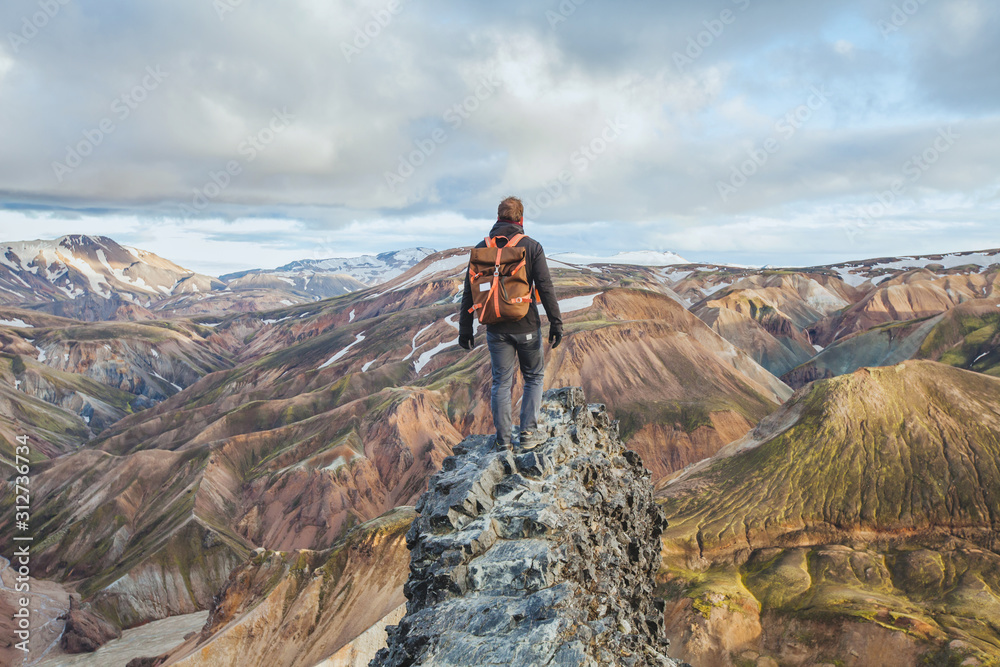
[
  {"x": 491, "y": 241},
  {"x": 513, "y": 241}
]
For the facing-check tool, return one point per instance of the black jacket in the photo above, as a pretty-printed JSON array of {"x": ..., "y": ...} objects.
[{"x": 538, "y": 277}]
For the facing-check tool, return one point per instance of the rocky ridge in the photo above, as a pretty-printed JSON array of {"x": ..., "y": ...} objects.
[{"x": 546, "y": 557}]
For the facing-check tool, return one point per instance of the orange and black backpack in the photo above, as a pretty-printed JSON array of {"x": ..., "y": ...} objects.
[{"x": 498, "y": 278}]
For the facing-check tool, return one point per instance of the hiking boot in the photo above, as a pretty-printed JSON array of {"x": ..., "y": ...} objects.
[
  {"x": 531, "y": 439},
  {"x": 499, "y": 445}
]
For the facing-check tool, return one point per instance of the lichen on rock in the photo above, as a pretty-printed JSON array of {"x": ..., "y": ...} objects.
[{"x": 545, "y": 557}]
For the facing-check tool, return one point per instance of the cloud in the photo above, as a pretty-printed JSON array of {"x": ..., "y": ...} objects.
[{"x": 434, "y": 111}]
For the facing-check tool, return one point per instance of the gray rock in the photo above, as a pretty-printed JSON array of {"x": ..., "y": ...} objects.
[{"x": 541, "y": 558}]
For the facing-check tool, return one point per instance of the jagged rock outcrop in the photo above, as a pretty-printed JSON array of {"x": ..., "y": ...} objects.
[{"x": 540, "y": 558}]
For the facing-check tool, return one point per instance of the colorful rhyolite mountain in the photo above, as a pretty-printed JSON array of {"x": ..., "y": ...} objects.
[
  {"x": 857, "y": 524},
  {"x": 92, "y": 277},
  {"x": 168, "y": 450}
]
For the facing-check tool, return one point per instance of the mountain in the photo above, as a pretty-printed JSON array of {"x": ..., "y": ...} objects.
[
  {"x": 82, "y": 377},
  {"x": 916, "y": 294},
  {"x": 680, "y": 390},
  {"x": 968, "y": 336},
  {"x": 311, "y": 274},
  {"x": 769, "y": 314},
  {"x": 863, "y": 513},
  {"x": 91, "y": 278},
  {"x": 894, "y": 320},
  {"x": 804, "y": 323},
  {"x": 94, "y": 278},
  {"x": 325, "y": 599},
  {"x": 885, "y": 268}
]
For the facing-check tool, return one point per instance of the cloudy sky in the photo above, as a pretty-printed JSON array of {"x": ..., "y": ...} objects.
[{"x": 232, "y": 134}]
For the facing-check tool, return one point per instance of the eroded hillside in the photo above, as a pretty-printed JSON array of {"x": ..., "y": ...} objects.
[{"x": 867, "y": 503}]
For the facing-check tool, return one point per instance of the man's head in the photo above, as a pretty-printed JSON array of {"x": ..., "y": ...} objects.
[{"x": 511, "y": 210}]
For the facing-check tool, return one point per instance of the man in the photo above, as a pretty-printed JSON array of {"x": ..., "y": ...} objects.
[{"x": 520, "y": 340}]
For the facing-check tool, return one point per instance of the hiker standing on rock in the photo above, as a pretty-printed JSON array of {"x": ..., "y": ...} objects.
[{"x": 507, "y": 276}]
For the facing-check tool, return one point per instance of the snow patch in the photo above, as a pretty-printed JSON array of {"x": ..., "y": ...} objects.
[
  {"x": 350, "y": 318},
  {"x": 413, "y": 343},
  {"x": 447, "y": 264},
  {"x": 155, "y": 374},
  {"x": 95, "y": 278},
  {"x": 19, "y": 323},
  {"x": 364, "y": 369},
  {"x": 578, "y": 302},
  {"x": 425, "y": 358},
  {"x": 708, "y": 291},
  {"x": 357, "y": 339},
  {"x": 338, "y": 462}
]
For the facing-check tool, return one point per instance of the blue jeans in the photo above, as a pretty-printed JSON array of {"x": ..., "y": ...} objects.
[{"x": 527, "y": 349}]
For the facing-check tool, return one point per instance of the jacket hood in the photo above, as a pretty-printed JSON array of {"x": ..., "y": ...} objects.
[{"x": 504, "y": 228}]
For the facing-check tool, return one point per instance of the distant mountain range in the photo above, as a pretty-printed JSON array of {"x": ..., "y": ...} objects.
[
  {"x": 329, "y": 277},
  {"x": 368, "y": 269},
  {"x": 96, "y": 278},
  {"x": 639, "y": 258}
]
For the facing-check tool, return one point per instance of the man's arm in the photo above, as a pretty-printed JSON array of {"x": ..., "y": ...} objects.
[
  {"x": 465, "y": 317},
  {"x": 546, "y": 292}
]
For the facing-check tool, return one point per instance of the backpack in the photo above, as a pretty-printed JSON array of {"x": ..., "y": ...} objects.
[{"x": 498, "y": 278}]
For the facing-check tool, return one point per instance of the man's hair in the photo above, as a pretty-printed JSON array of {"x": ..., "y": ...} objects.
[{"x": 511, "y": 209}]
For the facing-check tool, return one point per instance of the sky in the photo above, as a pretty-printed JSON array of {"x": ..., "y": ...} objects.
[{"x": 236, "y": 134}]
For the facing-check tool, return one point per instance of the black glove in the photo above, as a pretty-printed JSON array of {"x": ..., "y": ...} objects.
[
  {"x": 466, "y": 341},
  {"x": 555, "y": 336}
]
